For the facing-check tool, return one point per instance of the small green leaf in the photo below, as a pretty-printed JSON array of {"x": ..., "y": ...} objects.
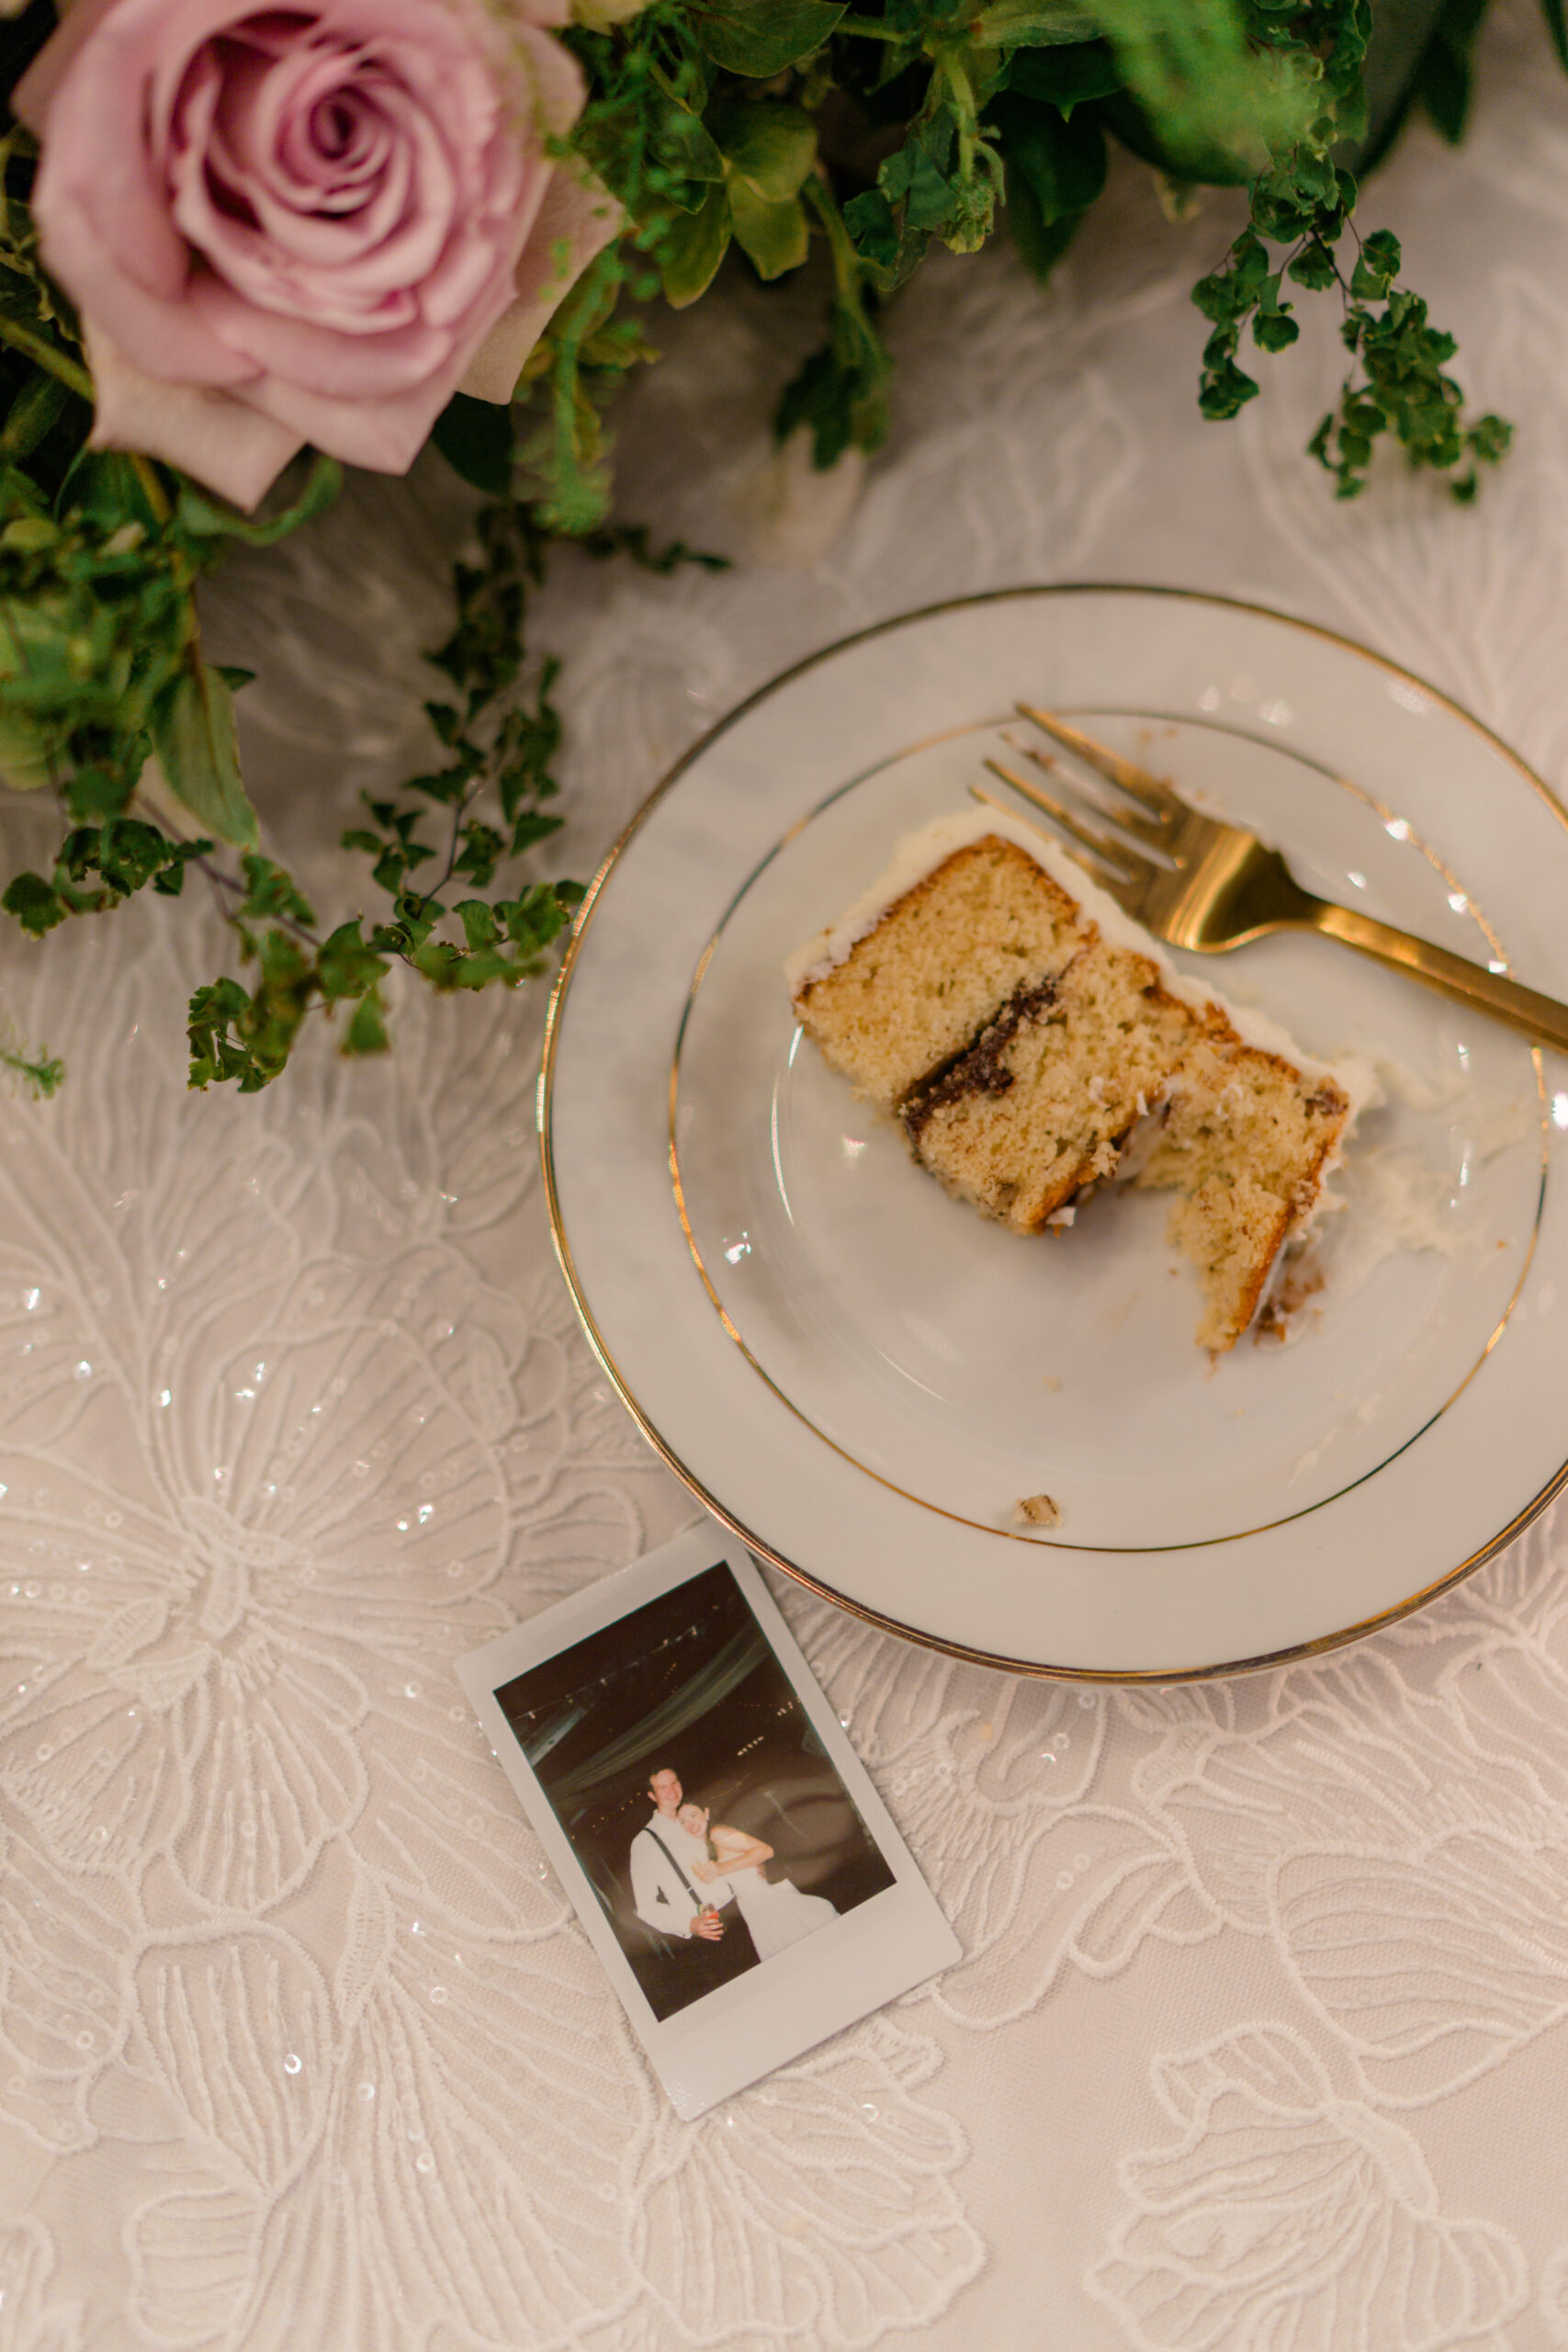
[
  {"x": 41, "y": 1072},
  {"x": 530, "y": 828},
  {"x": 1376, "y": 266},
  {"x": 998, "y": 24},
  {"x": 685, "y": 146},
  {"x": 1064, "y": 160},
  {"x": 36, "y": 408},
  {"x": 930, "y": 198},
  {"x": 95, "y": 792},
  {"x": 475, "y": 440},
  {"x": 1274, "y": 330},
  {"x": 193, "y": 734},
  {"x": 1068, "y": 76},
  {"x": 36, "y": 904},
  {"x": 128, "y": 852},
  {"x": 367, "y": 1033},
  {"x": 769, "y": 147},
  {"x": 1313, "y": 268},
  {"x": 31, "y": 534},
  {"x": 211, "y": 1011},
  {"x": 692, "y": 248},
  {"x": 1225, "y": 388},
  {"x": 759, "y": 37},
  {"x": 270, "y": 891},
  {"x": 346, "y": 965},
  {"x": 480, "y": 928},
  {"x": 869, "y": 220},
  {"x": 1041, "y": 243},
  {"x": 773, "y": 237}
]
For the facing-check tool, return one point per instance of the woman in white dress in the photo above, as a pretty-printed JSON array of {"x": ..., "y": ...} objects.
[{"x": 777, "y": 1915}]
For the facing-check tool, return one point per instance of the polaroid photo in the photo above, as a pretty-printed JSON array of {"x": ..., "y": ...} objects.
[{"x": 737, "y": 1875}]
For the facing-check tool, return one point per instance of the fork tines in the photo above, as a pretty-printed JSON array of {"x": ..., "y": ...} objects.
[
  {"x": 1149, "y": 791},
  {"x": 1109, "y": 859},
  {"x": 1154, "y": 806}
]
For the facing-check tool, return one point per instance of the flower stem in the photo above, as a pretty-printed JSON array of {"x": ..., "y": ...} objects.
[
  {"x": 39, "y": 349},
  {"x": 152, "y": 490}
]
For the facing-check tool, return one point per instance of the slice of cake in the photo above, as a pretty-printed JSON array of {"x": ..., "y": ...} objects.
[{"x": 1035, "y": 1043}]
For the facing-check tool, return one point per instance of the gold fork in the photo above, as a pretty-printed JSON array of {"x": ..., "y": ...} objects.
[{"x": 1198, "y": 883}]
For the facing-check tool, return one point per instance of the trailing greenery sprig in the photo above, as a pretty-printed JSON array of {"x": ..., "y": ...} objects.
[{"x": 39, "y": 1073}]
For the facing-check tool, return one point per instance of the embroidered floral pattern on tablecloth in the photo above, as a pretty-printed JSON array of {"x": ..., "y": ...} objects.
[{"x": 1285, "y": 2215}]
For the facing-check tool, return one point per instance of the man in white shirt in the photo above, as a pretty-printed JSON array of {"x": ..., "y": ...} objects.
[{"x": 669, "y": 1898}]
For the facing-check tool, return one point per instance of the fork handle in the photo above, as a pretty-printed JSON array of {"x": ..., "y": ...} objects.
[{"x": 1540, "y": 1017}]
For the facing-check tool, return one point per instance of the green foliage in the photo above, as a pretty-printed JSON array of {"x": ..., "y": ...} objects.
[
  {"x": 841, "y": 394},
  {"x": 443, "y": 851},
  {"x": 124, "y": 853},
  {"x": 1302, "y": 204},
  {"x": 192, "y": 726},
  {"x": 1398, "y": 386},
  {"x": 563, "y": 452},
  {"x": 100, "y": 658},
  {"x": 40, "y": 1073},
  {"x": 475, "y": 440},
  {"x": 1071, "y": 75},
  {"x": 499, "y": 738},
  {"x": 761, "y": 37},
  {"x": 1444, "y": 75}
]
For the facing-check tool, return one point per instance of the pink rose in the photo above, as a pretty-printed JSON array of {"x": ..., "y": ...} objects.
[{"x": 312, "y": 223}]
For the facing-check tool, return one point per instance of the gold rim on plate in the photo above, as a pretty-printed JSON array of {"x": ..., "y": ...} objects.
[{"x": 750, "y": 1536}]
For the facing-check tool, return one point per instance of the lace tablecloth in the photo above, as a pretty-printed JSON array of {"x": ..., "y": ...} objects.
[{"x": 1261, "y": 2036}]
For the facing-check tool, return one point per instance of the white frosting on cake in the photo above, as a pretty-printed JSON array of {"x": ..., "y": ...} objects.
[{"x": 921, "y": 853}]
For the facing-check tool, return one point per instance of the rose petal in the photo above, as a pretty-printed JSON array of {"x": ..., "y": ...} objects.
[
  {"x": 31, "y": 98},
  {"x": 159, "y": 331},
  {"x": 320, "y": 359},
  {"x": 558, "y": 86},
  {"x": 384, "y": 435},
  {"x": 229, "y": 446},
  {"x": 581, "y": 217}
]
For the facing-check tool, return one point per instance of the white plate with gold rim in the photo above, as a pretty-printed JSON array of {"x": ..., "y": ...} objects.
[{"x": 863, "y": 1379}]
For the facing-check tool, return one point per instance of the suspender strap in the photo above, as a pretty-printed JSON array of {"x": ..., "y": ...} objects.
[{"x": 696, "y": 1899}]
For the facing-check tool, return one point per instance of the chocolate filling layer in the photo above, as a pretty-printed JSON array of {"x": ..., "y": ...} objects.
[{"x": 979, "y": 1069}]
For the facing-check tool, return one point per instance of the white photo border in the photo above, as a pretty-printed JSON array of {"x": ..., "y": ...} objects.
[{"x": 845, "y": 1970}]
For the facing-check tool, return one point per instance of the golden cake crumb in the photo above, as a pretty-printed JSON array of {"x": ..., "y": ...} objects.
[{"x": 1038, "y": 1510}]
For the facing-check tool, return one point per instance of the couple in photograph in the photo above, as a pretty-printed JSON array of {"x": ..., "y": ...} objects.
[{"x": 700, "y": 1883}]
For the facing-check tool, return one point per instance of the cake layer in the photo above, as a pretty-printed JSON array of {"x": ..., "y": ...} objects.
[
  {"x": 899, "y": 1003},
  {"x": 1035, "y": 1043},
  {"x": 1044, "y": 1100},
  {"x": 1247, "y": 1141}
]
